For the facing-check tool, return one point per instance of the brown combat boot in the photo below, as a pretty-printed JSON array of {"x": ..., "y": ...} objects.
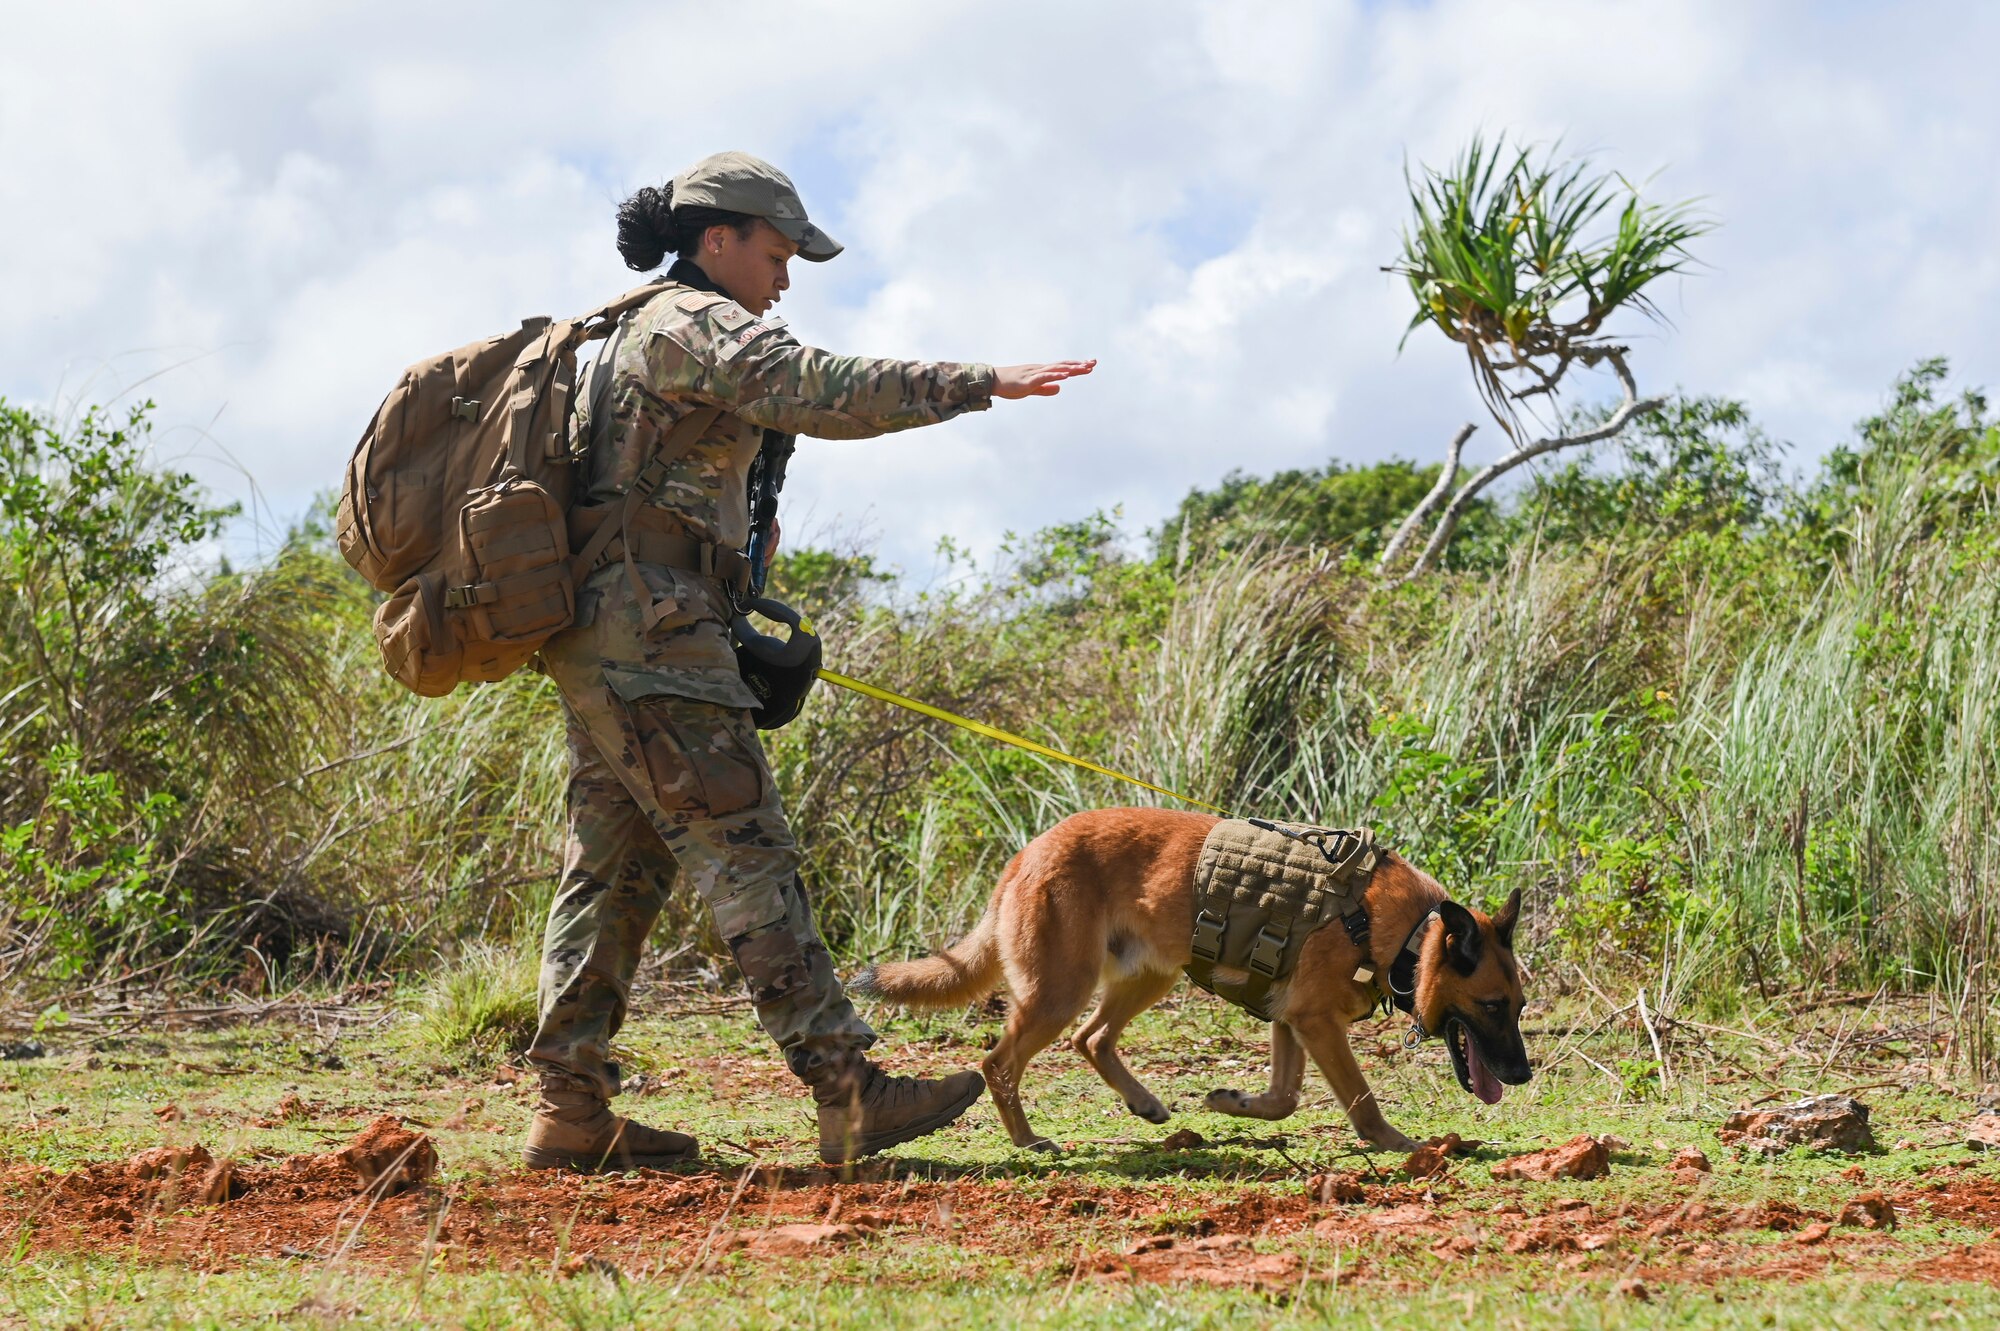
[
  {"x": 575, "y": 1129},
  {"x": 863, "y": 1109}
]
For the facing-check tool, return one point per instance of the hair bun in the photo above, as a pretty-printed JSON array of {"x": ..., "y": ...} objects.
[{"x": 646, "y": 227}]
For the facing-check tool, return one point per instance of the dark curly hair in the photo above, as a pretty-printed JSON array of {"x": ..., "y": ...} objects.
[{"x": 650, "y": 227}]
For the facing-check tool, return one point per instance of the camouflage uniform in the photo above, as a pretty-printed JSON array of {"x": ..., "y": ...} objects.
[{"x": 666, "y": 772}]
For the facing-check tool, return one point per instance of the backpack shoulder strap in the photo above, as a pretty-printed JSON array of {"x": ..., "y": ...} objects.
[{"x": 631, "y": 300}]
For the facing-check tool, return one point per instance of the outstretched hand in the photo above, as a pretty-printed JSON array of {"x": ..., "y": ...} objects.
[{"x": 1019, "y": 381}]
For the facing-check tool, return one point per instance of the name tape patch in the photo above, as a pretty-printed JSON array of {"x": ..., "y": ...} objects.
[{"x": 729, "y": 345}]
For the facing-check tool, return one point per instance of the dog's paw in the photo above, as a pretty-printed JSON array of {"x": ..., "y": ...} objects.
[
  {"x": 1225, "y": 1102},
  {"x": 1150, "y": 1110},
  {"x": 1391, "y": 1140}
]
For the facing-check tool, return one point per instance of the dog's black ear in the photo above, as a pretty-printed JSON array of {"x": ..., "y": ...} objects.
[
  {"x": 1462, "y": 943},
  {"x": 1509, "y": 916}
]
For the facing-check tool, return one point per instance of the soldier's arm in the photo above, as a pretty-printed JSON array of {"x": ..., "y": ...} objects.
[
  {"x": 783, "y": 385},
  {"x": 718, "y": 353}
]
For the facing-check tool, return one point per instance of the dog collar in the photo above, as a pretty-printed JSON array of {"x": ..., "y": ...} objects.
[{"x": 1402, "y": 977}]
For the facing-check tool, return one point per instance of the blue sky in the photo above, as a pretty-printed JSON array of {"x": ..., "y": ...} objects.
[{"x": 271, "y": 209}]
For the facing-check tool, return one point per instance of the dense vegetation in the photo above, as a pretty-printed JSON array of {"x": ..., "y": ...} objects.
[{"x": 1733, "y": 730}]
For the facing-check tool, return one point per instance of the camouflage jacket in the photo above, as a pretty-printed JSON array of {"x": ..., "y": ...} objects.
[{"x": 692, "y": 347}]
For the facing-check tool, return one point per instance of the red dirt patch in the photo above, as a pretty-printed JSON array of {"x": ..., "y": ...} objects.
[
  {"x": 1223, "y": 1260},
  {"x": 1949, "y": 1195},
  {"x": 312, "y": 1206},
  {"x": 1976, "y": 1261}
]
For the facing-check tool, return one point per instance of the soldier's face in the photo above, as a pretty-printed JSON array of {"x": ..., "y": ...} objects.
[{"x": 753, "y": 269}]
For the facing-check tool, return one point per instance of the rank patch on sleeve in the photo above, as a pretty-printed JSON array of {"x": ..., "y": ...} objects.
[{"x": 729, "y": 316}]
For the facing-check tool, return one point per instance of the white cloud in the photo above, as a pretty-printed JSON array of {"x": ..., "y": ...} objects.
[{"x": 299, "y": 200}]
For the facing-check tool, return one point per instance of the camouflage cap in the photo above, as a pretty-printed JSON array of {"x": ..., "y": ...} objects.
[{"x": 740, "y": 183}]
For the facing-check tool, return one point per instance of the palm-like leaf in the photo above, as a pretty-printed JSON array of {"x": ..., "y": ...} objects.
[{"x": 1507, "y": 255}]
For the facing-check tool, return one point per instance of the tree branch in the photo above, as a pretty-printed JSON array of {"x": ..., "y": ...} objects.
[
  {"x": 1632, "y": 406},
  {"x": 1446, "y": 479}
]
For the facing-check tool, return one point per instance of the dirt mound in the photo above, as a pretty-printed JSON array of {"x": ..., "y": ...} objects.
[
  {"x": 1578, "y": 1158},
  {"x": 388, "y": 1156},
  {"x": 166, "y": 1162},
  {"x": 1433, "y": 1157},
  {"x": 1871, "y": 1210},
  {"x": 1779, "y": 1217}
]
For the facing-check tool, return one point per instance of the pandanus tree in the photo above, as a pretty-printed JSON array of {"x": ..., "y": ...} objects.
[{"x": 1525, "y": 260}]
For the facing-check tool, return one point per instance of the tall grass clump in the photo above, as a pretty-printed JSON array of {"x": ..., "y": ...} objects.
[{"x": 480, "y": 1004}]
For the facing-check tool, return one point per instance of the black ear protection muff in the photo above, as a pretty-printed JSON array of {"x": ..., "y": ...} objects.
[{"x": 780, "y": 671}]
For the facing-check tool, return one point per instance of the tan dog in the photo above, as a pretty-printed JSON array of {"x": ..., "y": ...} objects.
[{"x": 1105, "y": 900}]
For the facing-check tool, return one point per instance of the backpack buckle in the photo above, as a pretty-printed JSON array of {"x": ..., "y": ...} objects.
[{"x": 465, "y": 408}]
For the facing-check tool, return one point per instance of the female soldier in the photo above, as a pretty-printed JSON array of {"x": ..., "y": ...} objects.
[{"x": 666, "y": 773}]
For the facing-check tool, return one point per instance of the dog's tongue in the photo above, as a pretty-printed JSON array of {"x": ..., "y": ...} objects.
[{"x": 1484, "y": 1084}]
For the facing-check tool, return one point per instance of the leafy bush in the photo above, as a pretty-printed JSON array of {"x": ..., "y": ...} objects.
[
  {"x": 84, "y": 870},
  {"x": 147, "y": 702}
]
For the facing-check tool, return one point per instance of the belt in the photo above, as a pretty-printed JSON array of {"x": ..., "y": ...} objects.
[{"x": 659, "y": 540}]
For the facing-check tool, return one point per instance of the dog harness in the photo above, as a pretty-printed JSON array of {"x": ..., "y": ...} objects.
[{"x": 1260, "y": 888}]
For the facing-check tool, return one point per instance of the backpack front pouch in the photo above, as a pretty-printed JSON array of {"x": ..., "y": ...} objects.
[{"x": 518, "y": 539}]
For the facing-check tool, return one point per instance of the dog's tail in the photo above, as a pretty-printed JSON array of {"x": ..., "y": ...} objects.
[{"x": 964, "y": 972}]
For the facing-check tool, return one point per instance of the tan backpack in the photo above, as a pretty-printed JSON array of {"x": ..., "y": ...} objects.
[{"x": 457, "y": 498}]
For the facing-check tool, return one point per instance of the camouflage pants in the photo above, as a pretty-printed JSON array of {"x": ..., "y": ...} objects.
[{"x": 664, "y": 787}]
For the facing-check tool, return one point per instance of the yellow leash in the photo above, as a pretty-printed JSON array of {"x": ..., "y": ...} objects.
[{"x": 994, "y": 732}]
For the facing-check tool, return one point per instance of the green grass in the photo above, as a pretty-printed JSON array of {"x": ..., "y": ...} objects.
[{"x": 97, "y": 1293}]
